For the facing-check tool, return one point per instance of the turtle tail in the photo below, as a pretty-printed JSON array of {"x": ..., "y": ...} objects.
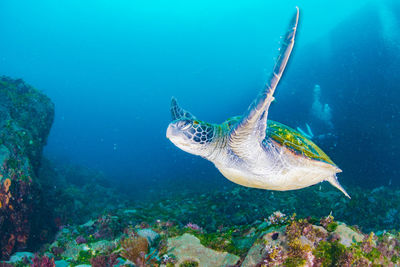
[{"x": 334, "y": 181}]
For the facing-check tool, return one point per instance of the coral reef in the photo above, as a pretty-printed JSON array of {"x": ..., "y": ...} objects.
[
  {"x": 104, "y": 260},
  {"x": 43, "y": 261},
  {"x": 135, "y": 248},
  {"x": 237, "y": 205},
  {"x": 135, "y": 237}
]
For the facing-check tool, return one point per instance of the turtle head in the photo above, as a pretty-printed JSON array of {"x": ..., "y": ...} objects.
[{"x": 191, "y": 135}]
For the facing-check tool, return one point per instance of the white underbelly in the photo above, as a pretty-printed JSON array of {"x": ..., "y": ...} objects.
[
  {"x": 282, "y": 176},
  {"x": 288, "y": 180},
  {"x": 276, "y": 168}
]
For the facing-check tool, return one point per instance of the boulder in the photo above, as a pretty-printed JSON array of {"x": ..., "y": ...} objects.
[
  {"x": 187, "y": 248},
  {"x": 254, "y": 256},
  {"x": 20, "y": 256},
  {"x": 347, "y": 235}
]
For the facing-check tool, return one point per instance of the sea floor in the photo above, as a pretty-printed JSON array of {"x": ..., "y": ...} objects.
[{"x": 230, "y": 226}]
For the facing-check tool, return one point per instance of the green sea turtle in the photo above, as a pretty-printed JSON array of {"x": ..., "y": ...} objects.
[{"x": 251, "y": 150}]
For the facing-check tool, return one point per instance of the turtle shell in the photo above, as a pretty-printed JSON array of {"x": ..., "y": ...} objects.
[
  {"x": 289, "y": 138},
  {"x": 295, "y": 142}
]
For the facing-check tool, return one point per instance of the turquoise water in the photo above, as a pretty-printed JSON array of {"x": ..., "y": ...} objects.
[{"x": 111, "y": 68}]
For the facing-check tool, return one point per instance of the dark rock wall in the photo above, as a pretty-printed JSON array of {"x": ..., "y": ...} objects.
[{"x": 26, "y": 116}]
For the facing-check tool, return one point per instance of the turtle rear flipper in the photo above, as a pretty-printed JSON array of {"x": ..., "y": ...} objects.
[
  {"x": 179, "y": 113},
  {"x": 334, "y": 181}
]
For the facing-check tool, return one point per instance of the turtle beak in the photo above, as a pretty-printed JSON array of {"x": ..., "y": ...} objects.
[
  {"x": 171, "y": 131},
  {"x": 176, "y": 137}
]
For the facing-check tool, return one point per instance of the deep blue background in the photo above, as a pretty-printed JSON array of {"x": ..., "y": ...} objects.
[{"x": 111, "y": 68}]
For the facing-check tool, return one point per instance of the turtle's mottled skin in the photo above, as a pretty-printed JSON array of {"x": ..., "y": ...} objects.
[{"x": 251, "y": 150}]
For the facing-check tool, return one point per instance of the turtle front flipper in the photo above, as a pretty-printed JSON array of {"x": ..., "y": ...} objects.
[
  {"x": 253, "y": 125},
  {"x": 179, "y": 113}
]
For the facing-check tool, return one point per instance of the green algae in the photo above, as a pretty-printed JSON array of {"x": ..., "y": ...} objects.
[
  {"x": 189, "y": 263},
  {"x": 332, "y": 226},
  {"x": 84, "y": 257},
  {"x": 329, "y": 252},
  {"x": 228, "y": 241},
  {"x": 294, "y": 262},
  {"x": 395, "y": 259},
  {"x": 373, "y": 254}
]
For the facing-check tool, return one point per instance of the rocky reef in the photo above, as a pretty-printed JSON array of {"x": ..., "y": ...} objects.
[
  {"x": 220, "y": 228},
  {"x": 127, "y": 237},
  {"x": 76, "y": 193},
  {"x": 26, "y": 116}
]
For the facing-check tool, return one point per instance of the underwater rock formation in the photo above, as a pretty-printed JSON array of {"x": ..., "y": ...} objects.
[
  {"x": 188, "y": 248},
  {"x": 70, "y": 189},
  {"x": 26, "y": 116},
  {"x": 277, "y": 240}
]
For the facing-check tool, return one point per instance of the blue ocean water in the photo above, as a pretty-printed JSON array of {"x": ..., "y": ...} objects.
[{"x": 111, "y": 68}]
